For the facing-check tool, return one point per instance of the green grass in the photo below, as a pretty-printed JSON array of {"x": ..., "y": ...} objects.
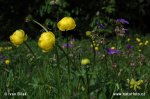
[{"x": 54, "y": 75}]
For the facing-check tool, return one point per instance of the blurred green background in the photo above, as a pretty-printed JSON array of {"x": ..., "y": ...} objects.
[{"x": 85, "y": 12}]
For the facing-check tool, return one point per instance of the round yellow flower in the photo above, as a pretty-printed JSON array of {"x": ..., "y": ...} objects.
[
  {"x": 7, "y": 61},
  {"x": 46, "y": 41},
  {"x": 66, "y": 23},
  {"x": 85, "y": 61},
  {"x": 18, "y": 37}
]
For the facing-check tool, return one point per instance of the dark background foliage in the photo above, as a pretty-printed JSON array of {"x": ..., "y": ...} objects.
[{"x": 85, "y": 12}]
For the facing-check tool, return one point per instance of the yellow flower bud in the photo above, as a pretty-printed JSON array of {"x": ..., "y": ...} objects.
[
  {"x": 113, "y": 47},
  {"x": 9, "y": 48},
  {"x": 85, "y": 61},
  {"x": 128, "y": 39},
  {"x": 7, "y": 61},
  {"x": 146, "y": 42},
  {"x": 140, "y": 44},
  {"x": 88, "y": 33},
  {"x": 1, "y": 49},
  {"x": 46, "y": 41},
  {"x": 97, "y": 44},
  {"x": 66, "y": 23},
  {"x": 138, "y": 39},
  {"x": 96, "y": 48},
  {"x": 18, "y": 37}
]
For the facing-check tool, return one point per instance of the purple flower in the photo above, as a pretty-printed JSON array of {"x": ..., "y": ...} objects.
[
  {"x": 67, "y": 44},
  {"x": 113, "y": 51},
  {"x": 129, "y": 46},
  {"x": 123, "y": 21},
  {"x": 125, "y": 29},
  {"x": 101, "y": 25}
]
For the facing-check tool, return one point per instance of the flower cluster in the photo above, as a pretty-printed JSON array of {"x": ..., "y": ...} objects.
[
  {"x": 134, "y": 84},
  {"x": 119, "y": 29},
  {"x": 140, "y": 43},
  {"x": 96, "y": 45},
  {"x": 47, "y": 39},
  {"x": 5, "y": 48}
]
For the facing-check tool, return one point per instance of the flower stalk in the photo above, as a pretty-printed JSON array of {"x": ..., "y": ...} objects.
[
  {"x": 26, "y": 44},
  {"x": 40, "y": 25}
]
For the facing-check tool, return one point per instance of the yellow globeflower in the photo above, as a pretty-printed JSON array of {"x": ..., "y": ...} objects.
[
  {"x": 85, "y": 61},
  {"x": 18, "y": 37},
  {"x": 46, "y": 41},
  {"x": 66, "y": 23},
  {"x": 7, "y": 61}
]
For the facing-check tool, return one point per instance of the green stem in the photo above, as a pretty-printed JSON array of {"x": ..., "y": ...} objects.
[
  {"x": 113, "y": 93},
  {"x": 87, "y": 83},
  {"x": 29, "y": 49},
  {"x": 58, "y": 74},
  {"x": 65, "y": 53},
  {"x": 69, "y": 68},
  {"x": 94, "y": 52},
  {"x": 5, "y": 69},
  {"x": 40, "y": 25}
]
